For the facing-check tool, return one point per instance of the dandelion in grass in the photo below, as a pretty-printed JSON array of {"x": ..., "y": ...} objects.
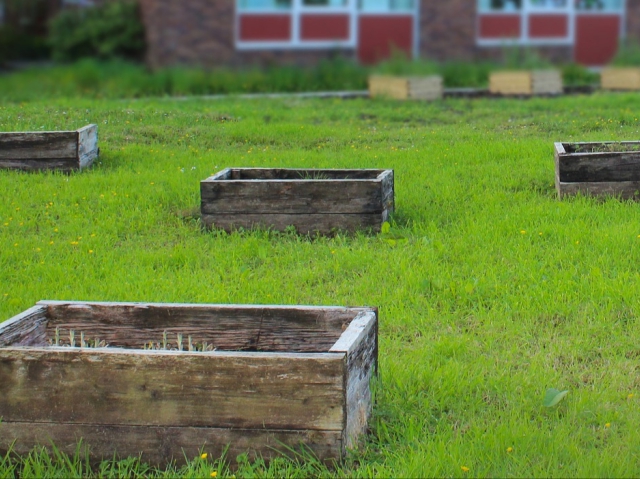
[
  {"x": 465, "y": 468},
  {"x": 630, "y": 396},
  {"x": 607, "y": 425},
  {"x": 523, "y": 232},
  {"x": 509, "y": 449},
  {"x": 204, "y": 455},
  {"x": 214, "y": 474}
]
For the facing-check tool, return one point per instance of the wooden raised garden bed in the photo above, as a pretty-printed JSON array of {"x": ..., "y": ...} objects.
[
  {"x": 620, "y": 78},
  {"x": 256, "y": 378},
  {"x": 49, "y": 150},
  {"x": 406, "y": 88},
  {"x": 598, "y": 168},
  {"x": 313, "y": 201},
  {"x": 537, "y": 82}
]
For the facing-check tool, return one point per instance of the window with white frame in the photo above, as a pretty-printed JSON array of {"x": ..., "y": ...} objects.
[
  {"x": 599, "y": 5},
  {"x": 386, "y": 6},
  {"x": 264, "y": 5}
]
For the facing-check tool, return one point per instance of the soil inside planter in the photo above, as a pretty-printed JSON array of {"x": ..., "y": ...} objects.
[
  {"x": 613, "y": 147},
  {"x": 303, "y": 174}
]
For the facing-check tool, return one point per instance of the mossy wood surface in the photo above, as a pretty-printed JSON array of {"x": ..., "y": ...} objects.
[
  {"x": 313, "y": 201},
  {"x": 128, "y": 400},
  {"x": 49, "y": 150}
]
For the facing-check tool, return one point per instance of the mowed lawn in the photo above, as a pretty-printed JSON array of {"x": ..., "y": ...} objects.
[{"x": 490, "y": 290}]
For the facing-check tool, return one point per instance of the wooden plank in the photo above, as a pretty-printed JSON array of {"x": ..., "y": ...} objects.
[
  {"x": 360, "y": 343},
  {"x": 292, "y": 197},
  {"x": 386, "y": 86},
  {"x": 622, "y": 189},
  {"x": 165, "y": 388},
  {"x": 62, "y": 164},
  {"x": 510, "y": 83},
  {"x": 225, "y": 327},
  {"x": 426, "y": 88},
  {"x": 388, "y": 190},
  {"x": 599, "y": 167},
  {"x": 87, "y": 145},
  {"x": 26, "y": 329},
  {"x": 323, "y": 224},
  {"x": 161, "y": 445},
  {"x": 620, "y": 78},
  {"x": 301, "y": 174},
  {"x": 39, "y": 145},
  {"x": 546, "y": 82}
]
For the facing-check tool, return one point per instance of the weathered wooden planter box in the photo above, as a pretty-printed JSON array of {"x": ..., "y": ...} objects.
[
  {"x": 537, "y": 82},
  {"x": 406, "y": 88},
  {"x": 262, "y": 378},
  {"x": 620, "y": 78},
  {"x": 598, "y": 168},
  {"x": 313, "y": 201},
  {"x": 49, "y": 150}
]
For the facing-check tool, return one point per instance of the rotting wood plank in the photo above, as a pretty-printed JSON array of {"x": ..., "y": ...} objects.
[
  {"x": 229, "y": 327},
  {"x": 162, "y": 445},
  {"x": 26, "y": 329},
  {"x": 304, "y": 223},
  {"x": 360, "y": 344},
  {"x": 292, "y": 197},
  {"x": 624, "y": 189},
  {"x": 600, "y": 167},
  {"x": 87, "y": 145},
  {"x": 63, "y": 164},
  {"x": 301, "y": 174},
  {"x": 166, "y": 388},
  {"x": 38, "y": 145}
]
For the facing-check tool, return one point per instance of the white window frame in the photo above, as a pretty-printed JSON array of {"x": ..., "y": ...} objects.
[
  {"x": 527, "y": 9},
  {"x": 298, "y": 9}
]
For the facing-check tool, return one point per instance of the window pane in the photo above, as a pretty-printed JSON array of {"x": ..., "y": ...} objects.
[
  {"x": 600, "y": 5},
  {"x": 386, "y": 5},
  {"x": 324, "y": 3},
  {"x": 548, "y": 4},
  {"x": 500, "y": 5},
  {"x": 265, "y": 4}
]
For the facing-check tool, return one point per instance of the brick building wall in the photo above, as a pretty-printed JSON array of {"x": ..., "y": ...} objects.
[
  {"x": 202, "y": 33},
  {"x": 448, "y": 31}
]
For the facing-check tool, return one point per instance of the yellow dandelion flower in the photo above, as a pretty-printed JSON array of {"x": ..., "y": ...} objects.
[
  {"x": 509, "y": 449},
  {"x": 607, "y": 425},
  {"x": 464, "y": 468},
  {"x": 522, "y": 232},
  {"x": 204, "y": 455},
  {"x": 630, "y": 396},
  {"x": 214, "y": 474},
  {"x": 90, "y": 251},
  {"x": 50, "y": 242}
]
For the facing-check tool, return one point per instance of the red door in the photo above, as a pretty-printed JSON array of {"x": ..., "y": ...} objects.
[
  {"x": 380, "y": 35},
  {"x": 596, "y": 39}
]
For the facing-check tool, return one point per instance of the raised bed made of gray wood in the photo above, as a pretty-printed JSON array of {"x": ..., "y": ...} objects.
[
  {"x": 257, "y": 379},
  {"x": 49, "y": 150},
  {"x": 599, "y": 173},
  {"x": 311, "y": 200}
]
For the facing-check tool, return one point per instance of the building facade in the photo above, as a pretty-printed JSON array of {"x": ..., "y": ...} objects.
[{"x": 211, "y": 33}]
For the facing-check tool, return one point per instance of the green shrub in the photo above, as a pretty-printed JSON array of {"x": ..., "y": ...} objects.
[
  {"x": 110, "y": 31},
  {"x": 577, "y": 75},
  {"x": 18, "y": 45},
  {"x": 628, "y": 54}
]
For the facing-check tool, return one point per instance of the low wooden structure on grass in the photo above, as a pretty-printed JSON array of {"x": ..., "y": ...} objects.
[
  {"x": 49, "y": 150},
  {"x": 311, "y": 200},
  {"x": 598, "y": 168},
  {"x": 165, "y": 380},
  {"x": 406, "y": 88},
  {"x": 526, "y": 83},
  {"x": 619, "y": 78}
]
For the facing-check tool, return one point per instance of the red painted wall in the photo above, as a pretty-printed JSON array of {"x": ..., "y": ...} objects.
[
  {"x": 258, "y": 27},
  {"x": 548, "y": 26},
  {"x": 596, "y": 38},
  {"x": 324, "y": 27},
  {"x": 378, "y": 35},
  {"x": 499, "y": 26}
]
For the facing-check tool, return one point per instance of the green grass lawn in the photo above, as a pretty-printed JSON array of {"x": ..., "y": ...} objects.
[{"x": 492, "y": 292}]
